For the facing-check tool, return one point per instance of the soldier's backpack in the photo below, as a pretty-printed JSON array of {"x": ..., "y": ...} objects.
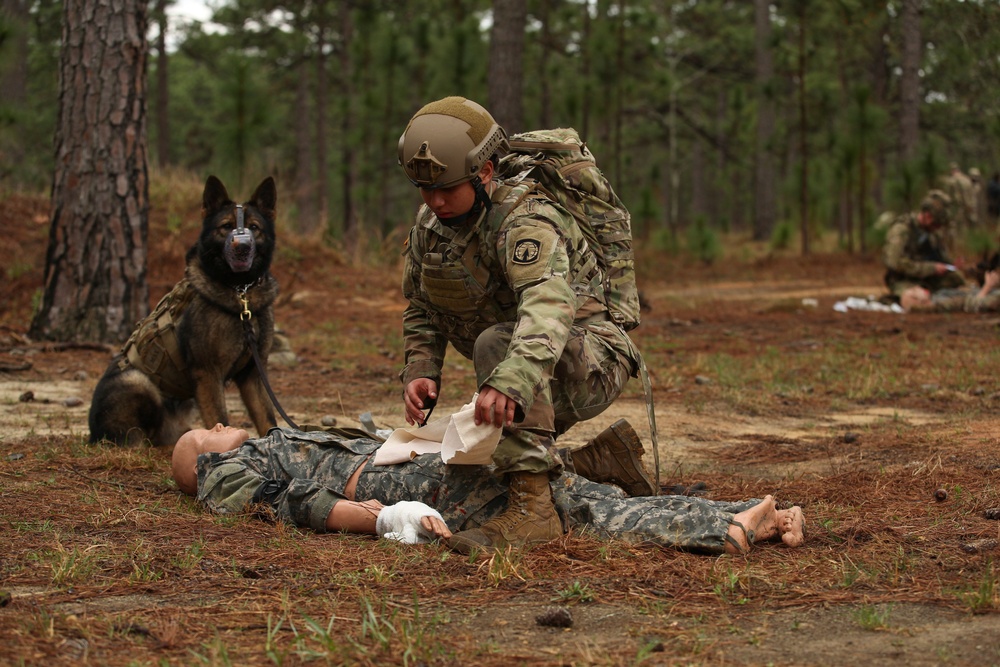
[{"x": 567, "y": 173}]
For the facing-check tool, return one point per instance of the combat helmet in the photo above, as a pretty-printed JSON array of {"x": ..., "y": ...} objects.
[
  {"x": 937, "y": 203},
  {"x": 448, "y": 141}
]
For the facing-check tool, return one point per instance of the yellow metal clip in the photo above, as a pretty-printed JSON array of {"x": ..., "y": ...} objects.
[{"x": 245, "y": 302}]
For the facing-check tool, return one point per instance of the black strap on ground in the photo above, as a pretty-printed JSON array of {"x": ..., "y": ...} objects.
[{"x": 252, "y": 342}]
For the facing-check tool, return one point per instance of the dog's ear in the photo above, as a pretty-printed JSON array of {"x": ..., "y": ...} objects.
[
  {"x": 265, "y": 197},
  {"x": 215, "y": 195}
]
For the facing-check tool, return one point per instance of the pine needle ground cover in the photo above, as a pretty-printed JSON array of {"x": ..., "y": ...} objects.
[{"x": 881, "y": 426}]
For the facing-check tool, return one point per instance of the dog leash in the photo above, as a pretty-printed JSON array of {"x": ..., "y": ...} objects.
[{"x": 245, "y": 317}]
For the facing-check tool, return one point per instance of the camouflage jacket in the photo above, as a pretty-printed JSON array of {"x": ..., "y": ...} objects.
[
  {"x": 532, "y": 266},
  {"x": 912, "y": 252},
  {"x": 963, "y": 199},
  {"x": 302, "y": 475}
]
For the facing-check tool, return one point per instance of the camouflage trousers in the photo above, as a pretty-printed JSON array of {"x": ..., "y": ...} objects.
[
  {"x": 300, "y": 476},
  {"x": 587, "y": 379},
  {"x": 468, "y": 496}
]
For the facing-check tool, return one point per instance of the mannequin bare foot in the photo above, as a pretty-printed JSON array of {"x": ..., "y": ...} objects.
[
  {"x": 760, "y": 522},
  {"x": 765, "y": 522},
  {"x": 792, "y": 525}
]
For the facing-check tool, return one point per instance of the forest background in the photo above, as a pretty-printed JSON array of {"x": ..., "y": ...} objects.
[{"x": 797, "y": 122}]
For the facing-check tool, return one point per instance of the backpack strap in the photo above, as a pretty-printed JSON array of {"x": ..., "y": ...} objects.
[
  {"x": 647, "y": 388},
  {"x": 522, "y": 146}
]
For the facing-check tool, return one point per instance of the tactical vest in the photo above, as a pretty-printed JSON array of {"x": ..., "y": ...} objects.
[
  {"x": 466, "y": 295},
  {"x": 464, "y": 285}
]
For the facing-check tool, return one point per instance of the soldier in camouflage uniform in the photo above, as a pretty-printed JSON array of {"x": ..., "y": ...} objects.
[
  {"x": 962, "y": 204},
  {"x": 915, "y": 249},
  {"x": 304, "y": 477},
  {"x": 507, "y": 277}
]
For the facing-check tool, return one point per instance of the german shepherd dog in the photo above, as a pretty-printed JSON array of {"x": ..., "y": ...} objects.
[{"x": 196, "y": 340}]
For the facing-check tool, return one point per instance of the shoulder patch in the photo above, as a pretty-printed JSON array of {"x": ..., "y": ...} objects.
[{"x": 526, "y": 251}]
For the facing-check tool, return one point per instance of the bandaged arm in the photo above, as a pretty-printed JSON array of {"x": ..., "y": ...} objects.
[{"x": 411, "y": 522}]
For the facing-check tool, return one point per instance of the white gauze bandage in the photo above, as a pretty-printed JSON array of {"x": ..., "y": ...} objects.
[{"x": 401, "y": 522}]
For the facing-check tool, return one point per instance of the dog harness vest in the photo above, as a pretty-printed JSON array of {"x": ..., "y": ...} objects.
[{"x": 153, "y": 347}]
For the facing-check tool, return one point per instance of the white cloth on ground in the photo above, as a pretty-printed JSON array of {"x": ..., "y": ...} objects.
[{"x": 871, "y": 303}]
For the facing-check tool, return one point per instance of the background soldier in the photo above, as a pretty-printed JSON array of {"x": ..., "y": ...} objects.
[
  {"x": 915, "y": 249},
  {"x": 978, "y": 196},
  {"x": 962, "y": 204}
]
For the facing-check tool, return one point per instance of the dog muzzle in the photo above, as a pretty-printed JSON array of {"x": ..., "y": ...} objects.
[{"x": 240, "y": 247}]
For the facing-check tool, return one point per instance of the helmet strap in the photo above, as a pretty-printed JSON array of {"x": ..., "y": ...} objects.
[{"x": 482, "y": 197}]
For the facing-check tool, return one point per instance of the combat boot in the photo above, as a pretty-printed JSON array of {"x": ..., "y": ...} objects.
[
  {"x": 530, "y": 518},
  {"x": 615, "y": 457}
]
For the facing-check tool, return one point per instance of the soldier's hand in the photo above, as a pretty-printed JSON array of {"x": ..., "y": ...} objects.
[
  {"x": 415, "y": 398},
  {"x": 941, "y": 269},
  {"x": 494, "y": 406}
]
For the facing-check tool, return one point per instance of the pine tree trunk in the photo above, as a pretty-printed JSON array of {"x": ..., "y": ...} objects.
[
  {"x": 14, "y": 69},
  {"x": 13, "y": 77},
  {"x": 764, "y": 187},
  {"x": 699, "y": 195},
  {"x": 803, "y": 138},
  {"x": 305, "y": 182},
  {"x": 585, "y": 67},
  {"x": 545, "y": 87},
  {"x": 347, "y": 160},
  {"x": 95, "y": 269},
  {"x": 909, "y": 83},
  {"x": 387, "y": 171},
  {"x": 163, "y": 157},
  {"x": 506, "y": 66},
  {"x": 322, "y": 198}
]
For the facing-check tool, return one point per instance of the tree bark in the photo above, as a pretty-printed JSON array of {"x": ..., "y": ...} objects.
[
  {"x": 545, "y": 87},
  {"x": 764, "y": 187},
  {"x": 506, "y": 66},
  {"x": 163, "y": 157},
  {"x": 305, "y": 182},
  {"x": 585, "y": 67},
  {"x": 347, "y": 165},
  {"x": 14, "y": 72},
  {"x": 699, "y": 194},
  {"x": 909, "y": 83},
  {"x": 619, "y": 112},
  {"x": 95, "y": 267},
  {"x": 803, "y": 137},
  {"x": 322, "y": 198}
]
